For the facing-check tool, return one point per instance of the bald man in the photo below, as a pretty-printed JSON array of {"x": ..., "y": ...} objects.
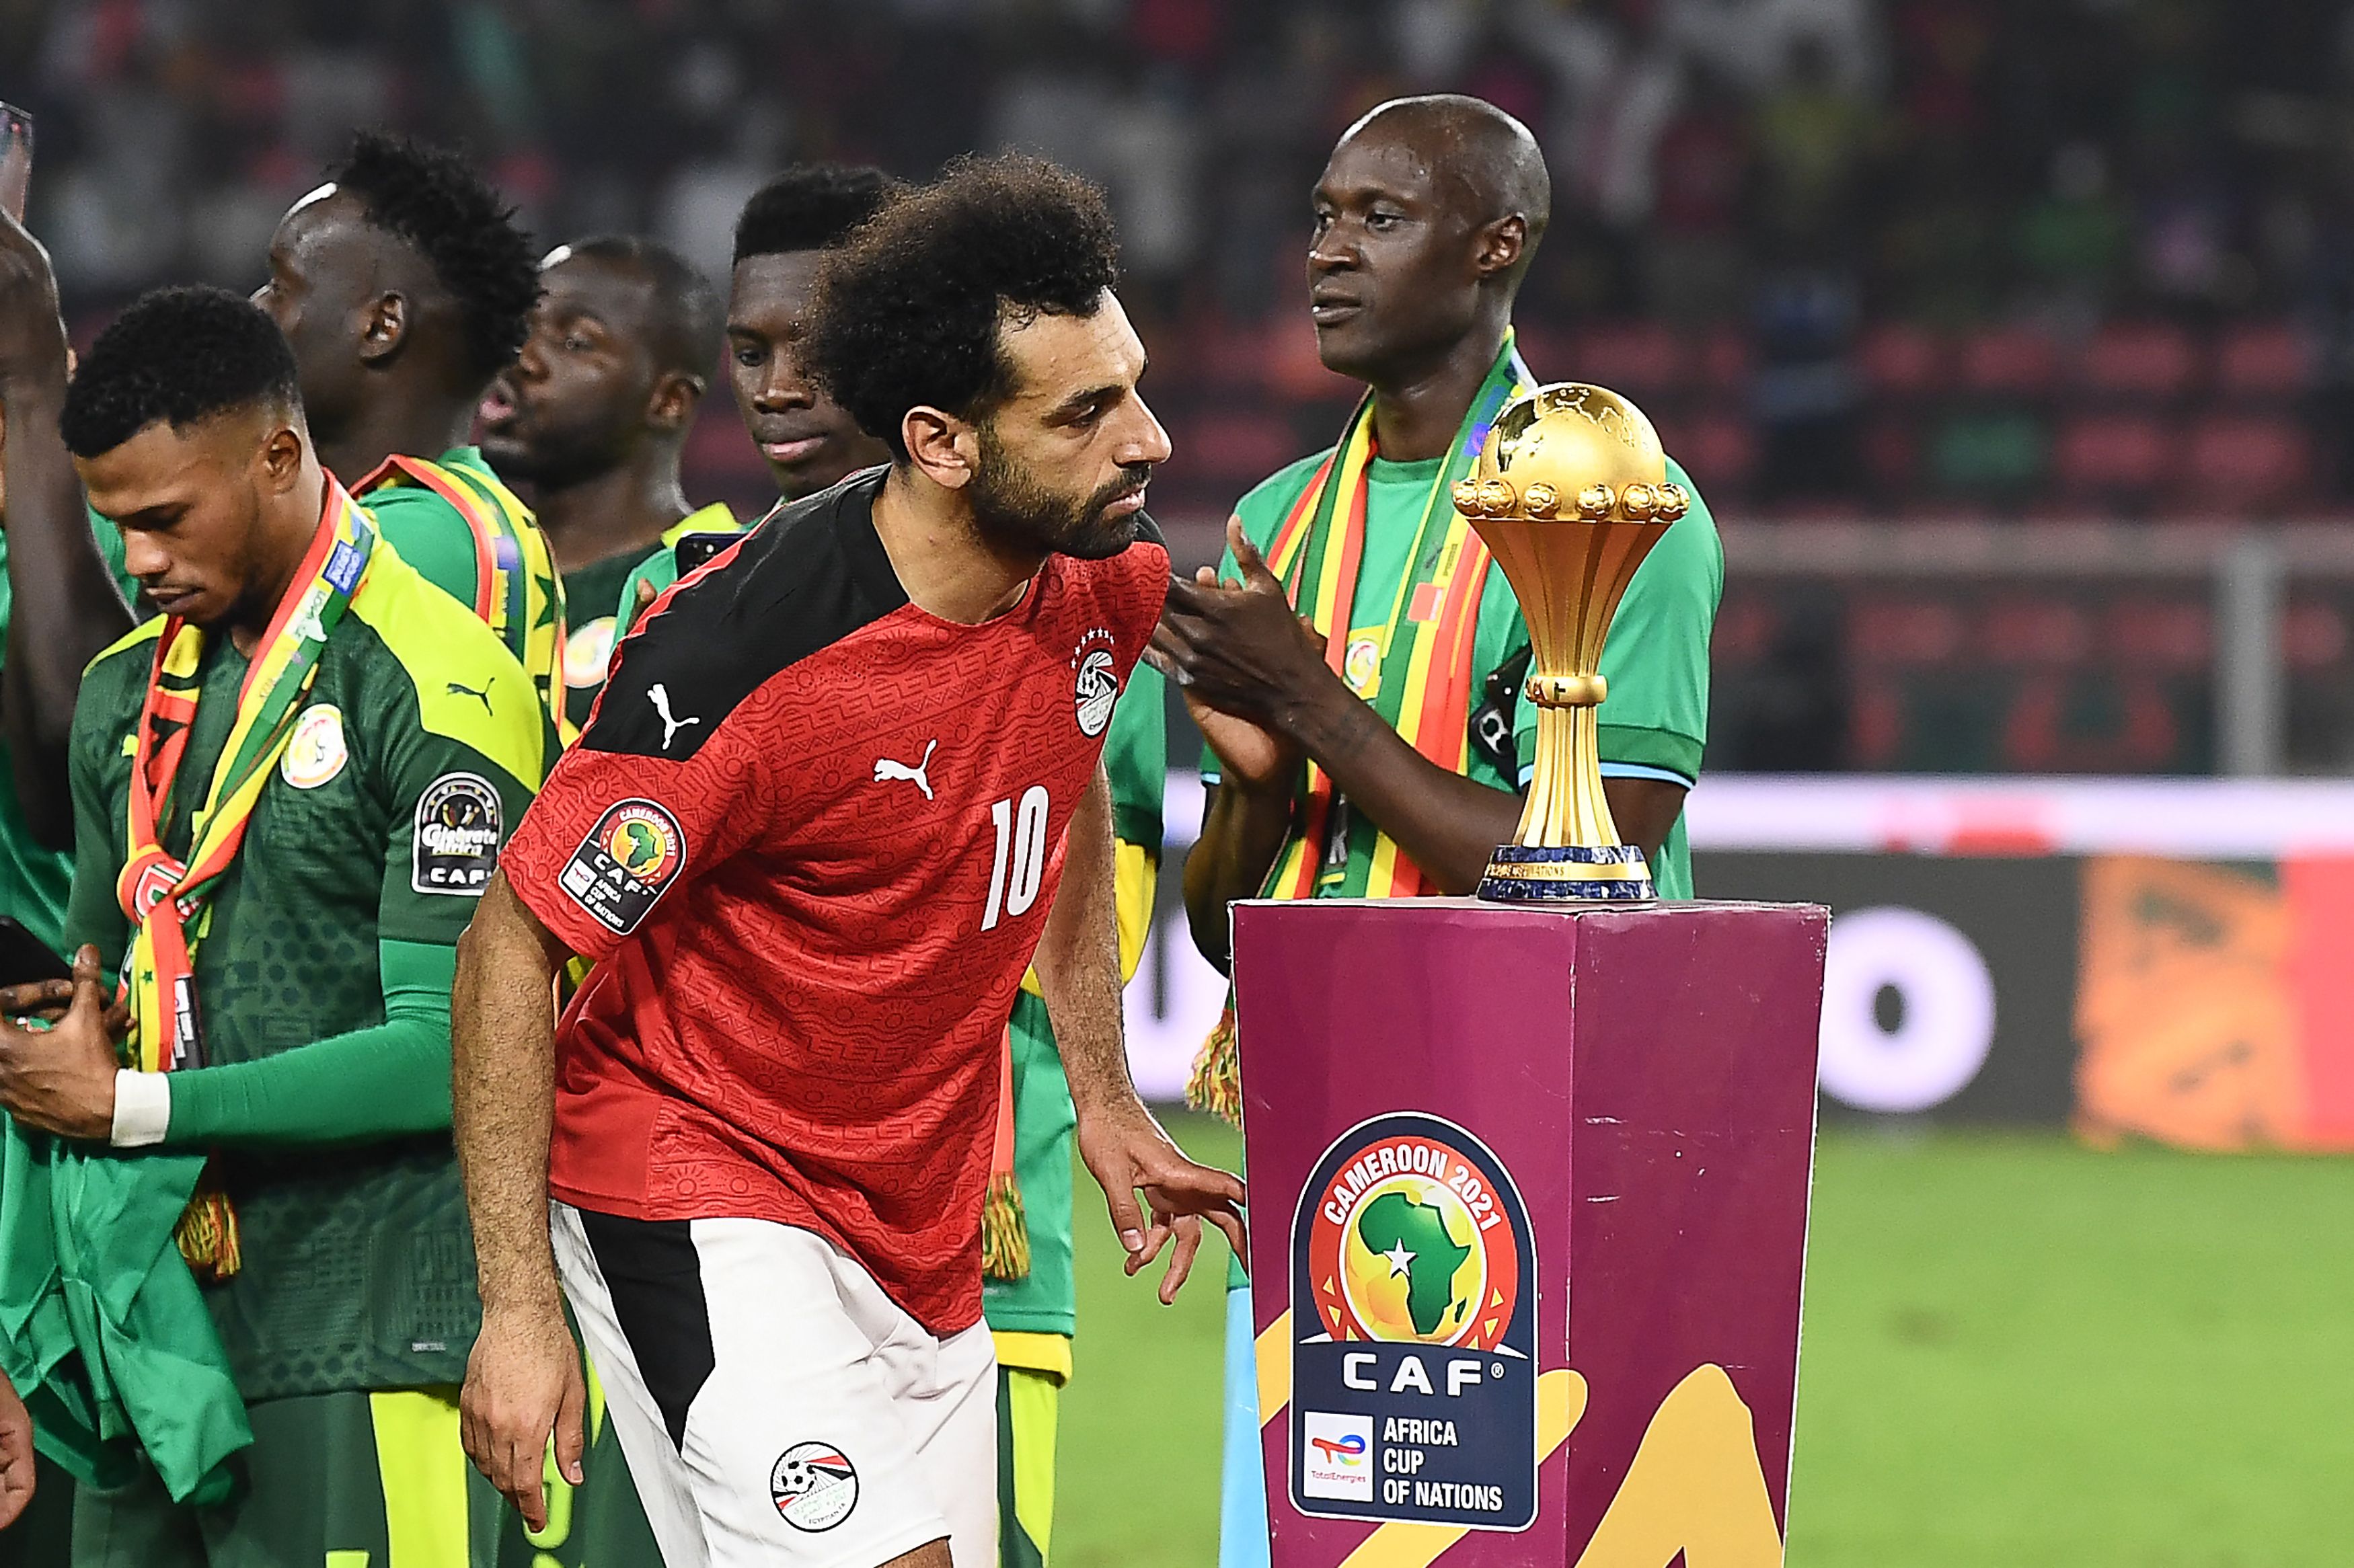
[{"x": 1426, "y": 220}]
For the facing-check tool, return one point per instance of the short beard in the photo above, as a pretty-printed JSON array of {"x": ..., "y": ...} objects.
[{"x": 1011, "y": 508}]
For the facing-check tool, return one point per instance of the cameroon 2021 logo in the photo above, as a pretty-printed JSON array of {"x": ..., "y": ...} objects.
[{"x": 1414, "y": 1380}]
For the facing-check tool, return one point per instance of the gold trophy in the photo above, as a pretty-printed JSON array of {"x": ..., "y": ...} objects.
[{"x": 1571, "y": 492}]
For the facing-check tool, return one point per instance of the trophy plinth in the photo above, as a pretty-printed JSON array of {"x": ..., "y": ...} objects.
[{"x": 1570, "y": 493}]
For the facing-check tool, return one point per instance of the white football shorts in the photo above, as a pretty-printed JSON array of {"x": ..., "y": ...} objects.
[{"x": 777, "y": 1408}]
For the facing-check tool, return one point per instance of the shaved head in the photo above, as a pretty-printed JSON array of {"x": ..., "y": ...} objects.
[
  {"x": 1426, "y": 218},
  {"x": 1481, "y": 156}
]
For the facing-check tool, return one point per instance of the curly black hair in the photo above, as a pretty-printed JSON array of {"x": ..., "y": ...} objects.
[
  {"x": 810, "y": 206},
  {"x": 179, "y": 355},
  {"x": 906, "y": 312},
  {"x": 436, "y": 201},
  {"x": 685, "y": 316}
]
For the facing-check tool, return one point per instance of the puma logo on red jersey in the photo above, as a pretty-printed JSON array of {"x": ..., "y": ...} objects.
[{"x": 888, "y": 772}]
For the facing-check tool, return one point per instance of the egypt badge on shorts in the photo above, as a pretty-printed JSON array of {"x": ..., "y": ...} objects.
[
  {"x": 1414, "y": 1373},
  {"x": 622, "y": 866}
]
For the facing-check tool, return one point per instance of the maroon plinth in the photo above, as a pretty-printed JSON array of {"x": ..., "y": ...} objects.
[{"x": 1644, "y": 1078}]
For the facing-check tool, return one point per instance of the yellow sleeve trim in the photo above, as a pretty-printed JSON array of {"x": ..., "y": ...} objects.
[
  {"x": 1136, "y": 878},
  {"x": 1047, "y": 1353},
  {"x": 469, "y": 686}
]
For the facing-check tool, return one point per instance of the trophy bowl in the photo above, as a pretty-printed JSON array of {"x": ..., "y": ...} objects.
[{"x": 1570, "y": 492}]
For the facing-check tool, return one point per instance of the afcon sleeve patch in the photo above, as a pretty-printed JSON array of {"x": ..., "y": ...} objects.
[
  {"x": 622, "y": 866},
  {"x": 814, "y": 1485},
  {"x": 458, "y": 826}
]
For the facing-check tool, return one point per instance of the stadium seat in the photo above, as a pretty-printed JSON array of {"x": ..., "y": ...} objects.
[
  {"x": 1891, "y": 454},
  {"x": 2111, "y": 454},
  {"x": 2263, "y": 360},
  {"x": 2014, "y": 361},
  {"x": 1995, "y": 451},
  {"x": 2147, "y": 362},
  {"x": 1901, "y": 361},
  {"x": 1235, "y": 448},
  {"x": 2035, "y": 628},
  {"x": 1644, "y": 360},
  {"x": 1724, "y": 362},
  {"x": 1720, "y": 452},
  {"x": 2240, "y": 465},
  {"x": 2173, "y": 634},
  {"x": 1910, "y": 633}
]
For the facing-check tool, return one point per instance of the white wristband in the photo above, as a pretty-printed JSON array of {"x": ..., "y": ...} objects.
[{"x": 143, "y": 1107}]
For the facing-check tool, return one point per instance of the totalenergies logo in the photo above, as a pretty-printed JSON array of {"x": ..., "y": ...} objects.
[{"x": 1411, "y": 1245}]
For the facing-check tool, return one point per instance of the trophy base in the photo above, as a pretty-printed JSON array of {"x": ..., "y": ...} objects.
[{"x": 1568, "y": 874}]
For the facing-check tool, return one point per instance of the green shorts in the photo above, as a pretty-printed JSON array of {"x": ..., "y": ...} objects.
[{"x": 340, "y": 1480}]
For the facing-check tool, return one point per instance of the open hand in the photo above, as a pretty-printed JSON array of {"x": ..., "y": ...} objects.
[
  {"x": 62, "y": 1080},
  {"x": 523, "y": 1387},
  {"x": 1128, "y": 1153},
  {"x": 1236, "y": 646}
]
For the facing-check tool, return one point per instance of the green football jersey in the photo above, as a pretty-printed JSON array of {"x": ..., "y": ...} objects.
[
  {"x": 33, "y": 877},
  {"x": 659, "y": 569},
  {"x": 1654, "y": 722},
  {"x": 418, "y": 732},
  {"x": 593, "y": 598},
  {"x": 1136, "y": 759}
]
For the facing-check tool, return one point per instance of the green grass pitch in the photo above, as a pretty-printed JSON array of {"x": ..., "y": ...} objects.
[{"x": 2018, "y": 1352}]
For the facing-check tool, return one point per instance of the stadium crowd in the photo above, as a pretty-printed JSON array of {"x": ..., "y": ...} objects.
[{"x": 1924, "y": 256}]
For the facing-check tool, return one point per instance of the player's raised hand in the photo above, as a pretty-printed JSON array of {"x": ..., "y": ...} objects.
[
  {"x": 16, "y": 1454},
  {"x": 1236, "y": 645},
  {"x": 523, "y": 1388},
  {"x": 1128, "y": 1154}
]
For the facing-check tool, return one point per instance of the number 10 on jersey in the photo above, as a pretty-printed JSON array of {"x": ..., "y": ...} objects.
[{"x": 1020, "y": 862}]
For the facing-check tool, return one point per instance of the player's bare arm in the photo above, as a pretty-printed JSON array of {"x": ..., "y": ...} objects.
[
  {"x": 523, "y": 1382},
  {"x": 1078, "y": 974},
  {"x": 66, "y": 609}
]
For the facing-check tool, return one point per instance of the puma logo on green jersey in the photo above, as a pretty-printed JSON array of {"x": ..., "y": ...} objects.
[{"x": 482, "y": 697}]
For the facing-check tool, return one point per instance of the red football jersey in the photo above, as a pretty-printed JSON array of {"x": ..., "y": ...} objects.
[{"x": 810, "y": 838}]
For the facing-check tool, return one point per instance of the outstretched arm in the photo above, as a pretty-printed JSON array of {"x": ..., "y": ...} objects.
[
  {"x": 1078, "y": 964},
  {"x": 64, "y": 607},
  {"x": 523, "y": 1382}
]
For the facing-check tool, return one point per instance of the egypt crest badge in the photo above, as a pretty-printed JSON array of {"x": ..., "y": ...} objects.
[{"x": 1414, "y": 1311}]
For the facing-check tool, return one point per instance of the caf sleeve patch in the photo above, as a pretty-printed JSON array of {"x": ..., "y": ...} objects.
[
  {"x": 624, "y": 863},
  {"x": 458, "y": 826}
]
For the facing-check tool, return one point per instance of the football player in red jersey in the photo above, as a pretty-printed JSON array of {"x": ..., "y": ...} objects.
[{"x": 840, "y": 789}]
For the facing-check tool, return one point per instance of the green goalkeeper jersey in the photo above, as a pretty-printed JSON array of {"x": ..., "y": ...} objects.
[{"x": 331, "y": 942}]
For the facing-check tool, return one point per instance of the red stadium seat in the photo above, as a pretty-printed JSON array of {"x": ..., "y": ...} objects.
[
  {"x": 2016, "y": 361},
  {"x": 1725, "y": 360},
  {"x": 1902, "y": 361},
  {"x": 2263, "y": 360},
  {"x": 2037, "y": 629},
  {"x": 1891, "y": 454},
  {"x": 2243, "y": 464},
  {"x": 2100, "y": 454},
  {"x": 1720, "y": 452},
  {"x": 2145, "y": 361},
  {"x": 1644, "y": 360},
  {"x": 1235, "y": 448}
]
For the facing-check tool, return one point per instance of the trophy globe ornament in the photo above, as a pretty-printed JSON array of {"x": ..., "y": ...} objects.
[{"x": 1570, "y": 492}]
